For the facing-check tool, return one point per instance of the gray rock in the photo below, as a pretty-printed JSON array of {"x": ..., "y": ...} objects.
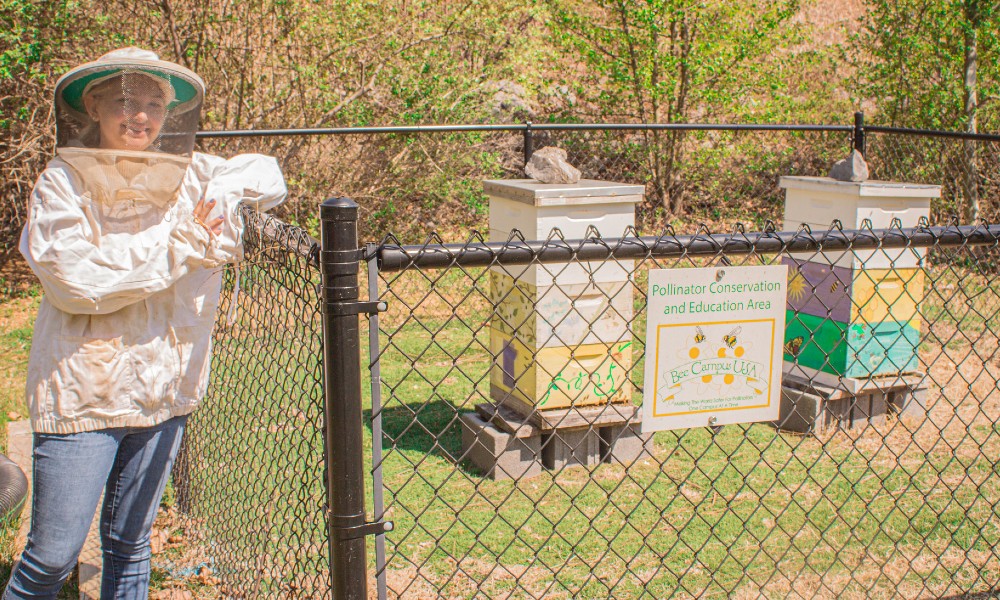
[
  {"x": 852, "y": 168},
  {"x": 510, "y": 100},
  {"x": 549, "y": 165}
]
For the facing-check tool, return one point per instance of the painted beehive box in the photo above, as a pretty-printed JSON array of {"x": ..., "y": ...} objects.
[
  {"x": 561, "y": 315},
  {"x": 526, "y": 377},
  {"x": 847, "y": 295},
  {"x": 857, "y": 350},
  {"x": 560, "y": 333},
  {"x": 855, "y": 312},
  {"x": 853, "y": 322}
]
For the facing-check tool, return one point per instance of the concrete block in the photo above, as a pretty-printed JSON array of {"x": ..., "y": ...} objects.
[
  {"x": 800, "y": 411},
  {"x": 571, "y": 447},
  {"x": 911, "y": 402},
  {"x": 861, "y": 406},
  {"x": 838, "y": 413},
  {"x": 623, "y": 444},
  {"x": 869, "y": 407},
  {"x": 809, "y": 406},
  {"x": 879, "y": 404},
  {"x": 497, "y": 454}
]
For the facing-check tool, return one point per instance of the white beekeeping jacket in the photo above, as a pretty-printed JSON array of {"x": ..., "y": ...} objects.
[{"x": 131, "y": 278}]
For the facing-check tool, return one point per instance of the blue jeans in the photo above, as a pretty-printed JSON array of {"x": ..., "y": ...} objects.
[{"x": 131, "y": 465}]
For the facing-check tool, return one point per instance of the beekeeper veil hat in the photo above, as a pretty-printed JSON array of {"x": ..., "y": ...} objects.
[
  {"x": 129, "y": 75},
  {"x": 126, "y": 122}
]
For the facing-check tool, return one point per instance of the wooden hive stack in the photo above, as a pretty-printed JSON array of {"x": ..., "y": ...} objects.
[
  {"x": 560, "y": 332},
  {"x": 854, "y": 314}
]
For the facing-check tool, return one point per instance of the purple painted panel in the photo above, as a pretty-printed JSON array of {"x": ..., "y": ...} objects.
[{"x": 819, "y": 289}]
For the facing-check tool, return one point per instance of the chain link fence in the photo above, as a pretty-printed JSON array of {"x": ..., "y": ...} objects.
[
  {"x": 967, "y": 169},
  {"x": 411, "y": 181},
  {"x": 888, "y": 492},
  {"x": 250, "y": 477}
]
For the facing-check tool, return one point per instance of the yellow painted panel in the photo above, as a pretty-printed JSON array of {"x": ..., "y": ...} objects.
[
  {"x": 560, "y": 377},
  {"x": 887, "y": 295}
]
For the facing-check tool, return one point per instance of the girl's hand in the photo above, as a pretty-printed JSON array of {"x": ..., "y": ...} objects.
[{"x": 201, "y": 212}]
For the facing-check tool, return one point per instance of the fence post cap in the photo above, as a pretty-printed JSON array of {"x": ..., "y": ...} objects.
[
  {"x": 338, "y": 209},
  {"x": 341, "y": 202}
]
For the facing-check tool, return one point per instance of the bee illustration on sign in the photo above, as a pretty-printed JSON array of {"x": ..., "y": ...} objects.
[
  {"x": 730, "y": 338},
  {"x": 834, "y": 286},
  {"x": 699, "y": 335}
]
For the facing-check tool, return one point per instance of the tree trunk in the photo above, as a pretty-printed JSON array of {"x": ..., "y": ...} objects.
[
  {"x": 661, "y": 172},
  {"x": 970, "y": 181}
]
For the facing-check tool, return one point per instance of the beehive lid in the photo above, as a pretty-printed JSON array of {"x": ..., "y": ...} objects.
[
  {"x": 862, "y": 188},
  {"x": 531, "y": 191}
]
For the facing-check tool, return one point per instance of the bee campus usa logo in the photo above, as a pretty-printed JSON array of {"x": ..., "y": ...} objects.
[{"x": 713, "y": 362}]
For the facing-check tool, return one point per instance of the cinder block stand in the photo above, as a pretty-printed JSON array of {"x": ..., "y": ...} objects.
[
  {"x": 505, "y": 445},
  {"x": 808, "y": 406}
]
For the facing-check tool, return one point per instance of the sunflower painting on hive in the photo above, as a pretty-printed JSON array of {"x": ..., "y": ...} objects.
[{"x": 796, "y": 284}]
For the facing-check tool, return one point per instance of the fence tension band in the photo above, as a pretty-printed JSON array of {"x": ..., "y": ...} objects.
[
  {"x": 357, "y": 308},
  {"x": 360, "y": 531}
]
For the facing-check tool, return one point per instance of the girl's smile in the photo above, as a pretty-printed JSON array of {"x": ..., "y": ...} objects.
[{"x": 130, "y": 112}]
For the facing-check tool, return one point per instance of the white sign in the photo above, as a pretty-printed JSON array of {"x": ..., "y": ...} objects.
[{"x": 713, "y": 346}]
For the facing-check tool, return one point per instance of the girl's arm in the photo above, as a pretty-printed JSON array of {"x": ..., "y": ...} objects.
[
  {"x": 84, "y": 272},
  {"x": 252, "y": 179}
]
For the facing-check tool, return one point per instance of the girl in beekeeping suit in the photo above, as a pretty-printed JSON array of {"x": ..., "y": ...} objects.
[{"x": 127, "y": 230}]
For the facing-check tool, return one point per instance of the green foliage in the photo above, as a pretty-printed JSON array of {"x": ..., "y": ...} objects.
[
  {"x": 674, "y": 61},
  {"x": 662, "y": 61},
  {"x": 23, "y": 45},
  {"x": 910, "y": 55}
]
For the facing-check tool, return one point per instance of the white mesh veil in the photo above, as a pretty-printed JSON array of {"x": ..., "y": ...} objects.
[{"x": 126, "y": 123}]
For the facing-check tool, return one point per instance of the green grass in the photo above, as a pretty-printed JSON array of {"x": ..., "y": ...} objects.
[
  {"x": 744, "y": 509},
  {"x": 903, "y": 508}
]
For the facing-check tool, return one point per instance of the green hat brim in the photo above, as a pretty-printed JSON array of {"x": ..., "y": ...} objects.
[{"x": 72, "y": 93}]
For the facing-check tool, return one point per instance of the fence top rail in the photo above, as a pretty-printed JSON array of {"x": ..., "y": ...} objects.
[
  {"x": 522, "y": 127},
  {"x": 529, "y": 126},
  {"x": 964, "y": 135},
  {"x": 394, "y": 257},
  {"x": 276, "y": 232}
]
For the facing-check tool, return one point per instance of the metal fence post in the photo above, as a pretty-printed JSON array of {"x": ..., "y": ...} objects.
[
  {"x": 529, "y": 143},
  {"x": 859, "y": 133},
  {"x": 339, "y": 264}
]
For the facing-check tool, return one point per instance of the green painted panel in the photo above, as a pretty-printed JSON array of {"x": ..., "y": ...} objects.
[{"x": 852, "y": 350}]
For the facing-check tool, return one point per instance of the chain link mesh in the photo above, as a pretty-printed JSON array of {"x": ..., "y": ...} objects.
[
  {"x": 878, "y": 495},
  {"x": 250, "y": 476},
  {"x": 967, "y": 170}
]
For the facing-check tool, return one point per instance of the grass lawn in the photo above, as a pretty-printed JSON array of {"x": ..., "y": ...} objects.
[{"x": 903, "y": 507}]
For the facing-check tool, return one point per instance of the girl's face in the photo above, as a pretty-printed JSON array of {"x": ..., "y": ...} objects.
[{"x": 129, "y": 111}]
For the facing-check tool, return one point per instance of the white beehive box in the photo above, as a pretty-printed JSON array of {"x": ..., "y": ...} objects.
[
  {"x": 560, "y": 332},
  {"x": 818, "y": 201},
  {"x": 535, "y": 209}
]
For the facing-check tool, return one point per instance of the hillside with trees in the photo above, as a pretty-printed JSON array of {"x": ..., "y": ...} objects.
[{"x": 302, "y": 64}]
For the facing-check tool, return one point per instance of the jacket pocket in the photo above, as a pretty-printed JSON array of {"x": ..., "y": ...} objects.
[
  {"x": 194, "y": 346},
  {"x": 92, "y": 378},
  {"x": 155, "y": 359}
]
